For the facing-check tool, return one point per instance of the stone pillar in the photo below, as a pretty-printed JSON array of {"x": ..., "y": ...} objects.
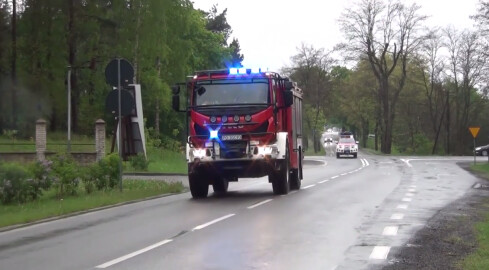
[
  {"x": 41, "y": 139},
  {"x": 100, "y": 138}
]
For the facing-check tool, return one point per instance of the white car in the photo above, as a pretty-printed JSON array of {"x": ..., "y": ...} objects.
[{"x": 347, "y": 146}]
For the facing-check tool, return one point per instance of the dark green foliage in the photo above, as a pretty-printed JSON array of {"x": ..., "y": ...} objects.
[
  {"x": 17, "y": 184},
  {"x": 139, "y": 162},
  {"x": 103, "y": 175},
  {"x": 66, "y": 175}
]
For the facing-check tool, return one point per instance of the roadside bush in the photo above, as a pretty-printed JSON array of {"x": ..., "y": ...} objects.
[
  {"x": 65, "y": 175},
  {"x": 41, "y": 173},
  {"x": 139, "y": 162},
  {"x": 17, "y": 185},
  {"x": 102, "y": 175}
]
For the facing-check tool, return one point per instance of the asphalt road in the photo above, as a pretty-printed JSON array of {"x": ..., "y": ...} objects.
[{"x": 349, "y": 214}]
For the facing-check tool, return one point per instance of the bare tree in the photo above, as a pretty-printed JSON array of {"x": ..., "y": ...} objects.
[
  {"x": 467, "y": 61},
  {"x": 432, "y": 82},
  {"x": 387, "y": 35}
]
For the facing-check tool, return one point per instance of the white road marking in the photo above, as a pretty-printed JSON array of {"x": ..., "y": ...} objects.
[
  {"x": 412, "y": 190},
  {"x": 336, "y": 176},
  {"x": 407, "y": 199},
  {"x": 380, "y": 253},
  {"x": 407, "y": 162},
  {"x": 212, "y": 222},
  {"x": 402, "y": 206},
  {"x": 324, "y": 181},
  {"x": 409, "y": 194},
  {"x": 260, "y": 203},
  {"x": 413, "y": 186},
  {"x": 390, "y": 230},
  {"x": 366, "y": 162},
  {"x": 310, "y": 186},
  {"x": 363, "y": 163},
  {"x": 133, "y": 254},
  {"x": 397, "y": 216},
  {"x": 343, "y": 174}
]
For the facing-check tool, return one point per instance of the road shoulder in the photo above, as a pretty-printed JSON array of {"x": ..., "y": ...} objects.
[{"x": 448, "y": 237}]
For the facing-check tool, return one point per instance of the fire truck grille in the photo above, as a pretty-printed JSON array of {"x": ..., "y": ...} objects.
[{"x": 233, "y": 149}]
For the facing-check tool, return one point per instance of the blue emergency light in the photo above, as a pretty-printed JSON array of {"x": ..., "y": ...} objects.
[
  {"x": 214, "y": 134},
  {"x": 244, "y": 71}
]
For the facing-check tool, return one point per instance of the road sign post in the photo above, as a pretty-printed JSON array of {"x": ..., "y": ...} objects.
[
  {"x": 119, "y": 71},
  {"x": 474, "y": 131}
]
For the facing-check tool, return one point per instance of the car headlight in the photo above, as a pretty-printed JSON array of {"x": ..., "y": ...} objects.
[{"x": 478, "y": 148}]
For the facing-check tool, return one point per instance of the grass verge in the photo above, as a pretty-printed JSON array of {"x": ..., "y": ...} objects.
[
  {"x": 163, "y": 161},
  {"x": 480, "y": 258},
  {"x": 49, "y": 206}
]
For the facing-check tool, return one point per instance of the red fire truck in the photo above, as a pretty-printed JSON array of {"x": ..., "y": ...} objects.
[{"x": 242, "y": 123}]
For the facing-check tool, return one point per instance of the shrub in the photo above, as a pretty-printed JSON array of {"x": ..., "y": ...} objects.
[
  {"x": 17, "y": 185},
  {"x": 41, "y": 173},
  {"x": 139, "y": 162},
  {"x": 65, "y": 175},
  {"x": 102, "y": 175}
]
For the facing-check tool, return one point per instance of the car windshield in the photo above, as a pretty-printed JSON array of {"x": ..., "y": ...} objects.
[
  {"x": 347, "y": 140},
  {"x": 235, "y": 91}
]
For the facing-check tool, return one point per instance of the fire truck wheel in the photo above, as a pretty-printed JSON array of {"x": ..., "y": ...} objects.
[
  {"x": 199, "y": 187},
  {"x": 337, "y": 155},
  {"x": 220, "y": 185},
  {"x": 355, "y": 155},
  {"x": 280, "y": 178}
]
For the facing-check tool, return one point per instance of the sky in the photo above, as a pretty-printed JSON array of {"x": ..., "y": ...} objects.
[{"x": 270, "y": 31}]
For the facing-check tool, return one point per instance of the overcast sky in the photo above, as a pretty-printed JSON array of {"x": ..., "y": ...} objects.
[{"x": 269, "y": 31}]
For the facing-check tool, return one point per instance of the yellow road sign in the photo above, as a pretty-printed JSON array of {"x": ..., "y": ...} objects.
[{"x": 474, "y": 131}]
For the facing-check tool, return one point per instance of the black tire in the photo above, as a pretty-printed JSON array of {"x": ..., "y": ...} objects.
[
  {"x": 280, "y": 179},
  {"x": 295, "y": 176},
  {"x": 220, "y": 185},
  {"x": 199, "y": 186},
  {"x": 355, "y": 155},
  {"x": 337, "y": 155}
]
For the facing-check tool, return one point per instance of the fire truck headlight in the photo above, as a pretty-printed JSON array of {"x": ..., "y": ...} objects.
[
  {"x": 247, "y": 118},
  {"x": 213, "y": 119},
  {"x": 224, "y": 119},
  {"x": 199, "y": 153},
  {"x": 236, "y": 118},
  {"x": 267, "y": 150}
]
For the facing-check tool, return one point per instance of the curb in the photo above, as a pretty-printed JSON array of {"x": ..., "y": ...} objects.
[{"x": 78, "y": 213}]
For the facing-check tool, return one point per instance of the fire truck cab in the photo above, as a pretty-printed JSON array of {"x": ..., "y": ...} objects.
[{"x": 242, "y": 123}]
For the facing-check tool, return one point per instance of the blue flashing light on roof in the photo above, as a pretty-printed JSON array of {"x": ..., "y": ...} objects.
[
  {"x": 255, "y": 70},
  {"x": 233, "y": 71},
  {"x": 242, "y": 70}
]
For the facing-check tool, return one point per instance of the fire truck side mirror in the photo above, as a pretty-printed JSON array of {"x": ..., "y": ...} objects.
[
  {"x": 288, "y": 98},
  {"x": 289, "y": 85},
  {"x": 175, "y": 102}
]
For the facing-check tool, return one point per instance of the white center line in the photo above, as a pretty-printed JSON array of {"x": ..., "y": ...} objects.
[
  {"x": 336, "y": 176},
  {"x": 324, "y": 181},
  {"x": 343, "y": 174},
  {"x": 380, "y": 253},
  {"x": 412, "y": 186},
  {"x": 412, "y": 190},
  {"x": 310, "y": 186},
  {"x": 397, "y": 216},
  {"x": 390, "y": 230},
  {"x": 402, "y": 206},
  {"x": 258, "y": 204},
  {"x": 135, "y": 253},
  {"x": 407, "y": 199},
  {"x": 212, "y": 222},
  {"x": 409, "y": 194}
]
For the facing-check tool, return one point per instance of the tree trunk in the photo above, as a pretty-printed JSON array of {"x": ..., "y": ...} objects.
[{"x": 14, "y": 64}]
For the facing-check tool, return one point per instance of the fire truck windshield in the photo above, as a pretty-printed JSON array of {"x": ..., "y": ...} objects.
[{"x": 231, "y": 92}]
